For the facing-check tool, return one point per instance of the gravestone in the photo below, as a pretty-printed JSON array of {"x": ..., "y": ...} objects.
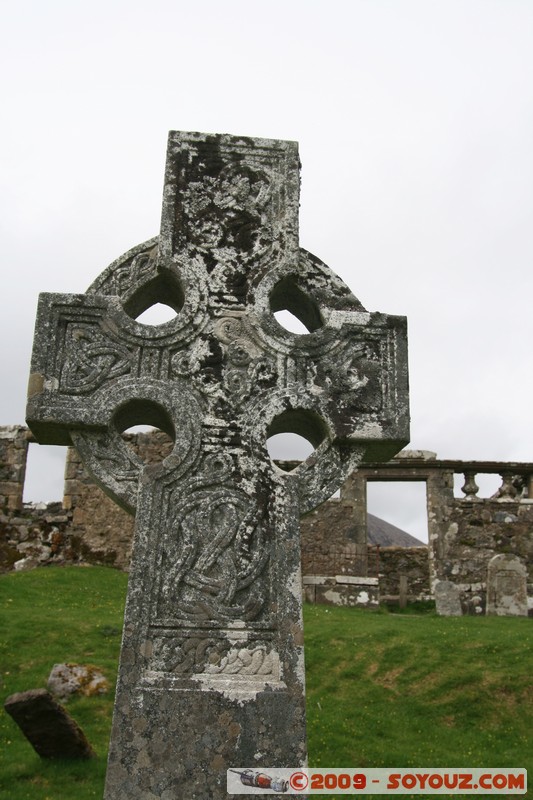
[
  {"x": 506, "y": 586},
  {"x": 448, "y": 599},
  {"x": 47, "y": 726},
  {"x": 211, "y": 673}
]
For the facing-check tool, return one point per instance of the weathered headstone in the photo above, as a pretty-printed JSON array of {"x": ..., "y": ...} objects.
[
  {"x": 47, "y": 726},
  {"x": 211, "y": 673},
  {"x": 448, "y": 599},
  {"x": 506, "y": 586}
]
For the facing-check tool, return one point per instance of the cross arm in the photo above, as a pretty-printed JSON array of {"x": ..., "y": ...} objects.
[
  {"x": 76, "y": 352},
  {"x": 368, "y": 384}
]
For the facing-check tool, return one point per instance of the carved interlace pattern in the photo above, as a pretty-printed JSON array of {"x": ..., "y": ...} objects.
[
  {"x": 91, "y": 360},
  {"x": 226, "y": 211},
  {"x": 213, "y": 656},
  {"x": 214, "y": 559}
]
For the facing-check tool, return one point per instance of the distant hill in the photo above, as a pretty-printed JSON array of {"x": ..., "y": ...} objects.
[{"x": 387, "y": 535}]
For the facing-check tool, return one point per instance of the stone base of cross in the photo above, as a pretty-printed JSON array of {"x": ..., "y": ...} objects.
[{"x": 211, "y": 672}]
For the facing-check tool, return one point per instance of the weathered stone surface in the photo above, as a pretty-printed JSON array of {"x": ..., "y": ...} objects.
[
  {"x": 13, "y": 452},
  {"x": 102, "y": 530},
  {"x": 447, "y": 599},
  {"x": 25, "y": 564},
  {"x": 392, "y": 563},
  {"x": 50, "y": 730},
  {"x": 68, "y": 679},
  {"x": 342, "y": 590},
  {"x": 211, "y": 671},
  {"x": 36, "y": 536},
  {"x": 506, "y": 586},
  {"x": 417, "y": 455}
]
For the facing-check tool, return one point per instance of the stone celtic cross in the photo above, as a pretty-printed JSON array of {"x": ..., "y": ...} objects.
[{"x": 211, "y": 673}]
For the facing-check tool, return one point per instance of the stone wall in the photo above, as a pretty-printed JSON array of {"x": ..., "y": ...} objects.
[
  {"x": 474, "y": 532},
  {"x": 330, "y": 543},
  {"x": 394, "y": 562},
  {"x": 13, "y": 454},
  {"x": 104, "y": 530},
  {"x": 330, "y": 548},
  {"x": 464, "y": 532},
  {"x": 36, "y": 535}
]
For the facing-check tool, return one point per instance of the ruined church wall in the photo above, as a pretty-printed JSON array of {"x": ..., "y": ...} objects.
[
  {"x": 472, "y": 533},
  {"x": 464, "y": 532},
  {"x": 37, "y": 535},
  {"x": 13, "y": 455},
  {"x": 330, "y": 541},
  {"x": 395, "y": 562},
  {"x": 331, "y": 546},
  {"x": 103, "y": 531}
]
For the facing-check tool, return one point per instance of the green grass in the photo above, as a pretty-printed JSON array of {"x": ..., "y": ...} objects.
[
  {"x": 388, "y": 690},
  {"x": 49, "y": 616},
  {"x": 383, "y": 689}
]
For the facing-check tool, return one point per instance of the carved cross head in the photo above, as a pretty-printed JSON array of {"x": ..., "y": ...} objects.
[{"x": 223, "y": 375}]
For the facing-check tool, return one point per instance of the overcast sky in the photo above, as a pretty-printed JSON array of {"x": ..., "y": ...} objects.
[{"x": 415, "y": 123}]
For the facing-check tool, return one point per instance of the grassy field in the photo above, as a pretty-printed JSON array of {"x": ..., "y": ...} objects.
[
  {"x": 383, "y": 689},
  {"x": 49, "y": 616}
]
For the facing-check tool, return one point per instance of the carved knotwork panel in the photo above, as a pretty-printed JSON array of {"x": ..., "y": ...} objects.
[
  {"x": 213, "y": 653},
  {"x": 213, "y": 562}
]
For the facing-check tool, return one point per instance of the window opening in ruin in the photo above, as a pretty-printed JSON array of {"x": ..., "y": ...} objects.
[
  {"x": 400, "y": 504},
  {"x": 487, "y": 483},
  {"x": 45, "y": 474}
]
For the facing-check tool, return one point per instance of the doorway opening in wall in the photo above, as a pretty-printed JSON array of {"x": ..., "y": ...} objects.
[
  {"x": 45, "y": 474},
  {"x": 396, "y": 513}
]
